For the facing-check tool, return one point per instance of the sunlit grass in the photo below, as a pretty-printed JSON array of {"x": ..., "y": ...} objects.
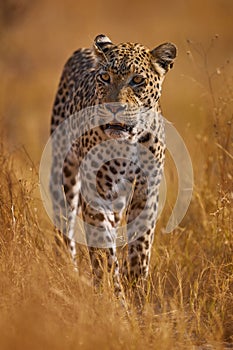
[
  {"x": 44, "y": 302},
  {"x": 189, "y": 298}
]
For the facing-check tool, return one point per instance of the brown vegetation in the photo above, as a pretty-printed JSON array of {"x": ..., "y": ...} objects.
[{"x": 44, "y": 303}]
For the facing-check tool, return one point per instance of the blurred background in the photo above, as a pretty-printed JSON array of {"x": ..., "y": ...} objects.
[{"x": 36, "y": 38}]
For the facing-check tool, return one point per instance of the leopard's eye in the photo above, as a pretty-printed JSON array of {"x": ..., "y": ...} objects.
[
  {"x": 105, "y": 77},
  {"x": 137, "y": 80}
]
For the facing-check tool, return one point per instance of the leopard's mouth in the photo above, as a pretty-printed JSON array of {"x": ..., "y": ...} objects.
[
  {"x": 118, "y": 127},
  {"x": 118, "y": 130}
]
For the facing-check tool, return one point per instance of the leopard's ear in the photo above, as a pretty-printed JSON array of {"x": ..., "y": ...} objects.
[
  {"x": 163, "y": 57},
  {"x": 102, "y": 44}
]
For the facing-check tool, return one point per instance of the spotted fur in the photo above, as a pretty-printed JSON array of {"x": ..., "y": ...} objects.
[{"x": 119, "y": 80}]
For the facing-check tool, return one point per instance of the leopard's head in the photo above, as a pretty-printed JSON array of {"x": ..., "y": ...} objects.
[{"x": 129, "y": 74}]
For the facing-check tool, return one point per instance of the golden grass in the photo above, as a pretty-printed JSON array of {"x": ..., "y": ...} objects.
[{"x": 44, "y": 303}]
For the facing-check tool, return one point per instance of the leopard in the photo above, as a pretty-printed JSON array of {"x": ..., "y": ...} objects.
[{"x": 108, "y": 153}]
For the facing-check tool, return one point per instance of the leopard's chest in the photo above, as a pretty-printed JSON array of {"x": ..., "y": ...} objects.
[{"x": 110, "y": 167}]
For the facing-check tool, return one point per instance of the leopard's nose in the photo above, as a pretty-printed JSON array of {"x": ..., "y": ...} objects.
[{"x": 115, "y": 108}]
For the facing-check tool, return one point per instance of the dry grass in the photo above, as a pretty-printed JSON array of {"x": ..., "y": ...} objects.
[{"x": 44, "y": 303}]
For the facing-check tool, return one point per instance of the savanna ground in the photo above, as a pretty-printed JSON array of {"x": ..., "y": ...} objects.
[{"x": 189, "y": 304}]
